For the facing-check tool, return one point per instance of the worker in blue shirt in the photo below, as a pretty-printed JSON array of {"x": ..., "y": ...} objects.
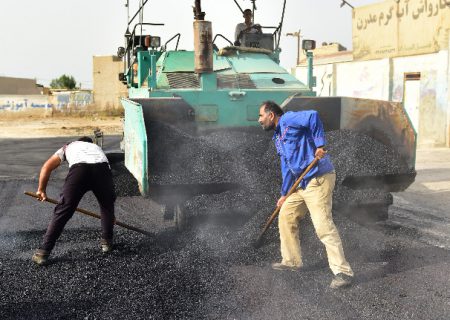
[{"x": 299, "y": 138}]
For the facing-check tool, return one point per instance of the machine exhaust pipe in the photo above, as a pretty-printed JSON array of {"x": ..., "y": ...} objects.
[{"x": 203, "y": 49}]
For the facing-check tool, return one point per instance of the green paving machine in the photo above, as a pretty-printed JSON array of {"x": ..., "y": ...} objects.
[{"x": 212, "y": 88}]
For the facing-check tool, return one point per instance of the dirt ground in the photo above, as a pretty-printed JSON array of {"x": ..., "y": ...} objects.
[{"x": 21, "y": 125}]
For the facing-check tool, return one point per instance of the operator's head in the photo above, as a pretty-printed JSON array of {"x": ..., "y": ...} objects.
[
  {"x": 269, "y": 113},
  {"x": 247, "y": 13},
  {"x": 86, "y": 139}
]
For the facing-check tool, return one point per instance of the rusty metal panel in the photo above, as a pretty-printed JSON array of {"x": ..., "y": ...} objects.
[
  {"x": 329, "y": 109},
  {"x": 384, "y": 121},
  {"x": 203, "y": 56}
]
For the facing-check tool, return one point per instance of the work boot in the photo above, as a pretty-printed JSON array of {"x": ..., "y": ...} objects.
[
  {"x": 107, "y": 245},
  {"x": 341, "y": 280},
  {"x": 40, "y": 257},
  {"x": 283, "y": 267}
]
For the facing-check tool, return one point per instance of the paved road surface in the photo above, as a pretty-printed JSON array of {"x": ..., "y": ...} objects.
[
  {"x": 425, "y": 205},
  {"x": 209, "y": 272}
]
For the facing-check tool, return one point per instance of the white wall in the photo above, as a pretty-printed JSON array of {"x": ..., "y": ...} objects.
[
  {"x": 365, "y": 79},
  {"x": 448, "y": 95},
  {"x": 57, "y": 100},
  {"x": 23, "y": 102},
  {"x": 324, "y": 78},
  {"x": 383, "y": 79}
]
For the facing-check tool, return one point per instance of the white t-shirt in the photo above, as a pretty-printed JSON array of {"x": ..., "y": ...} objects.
[
  {"x": 81, "y": 152},
  {"x": 242, "y": 26}
]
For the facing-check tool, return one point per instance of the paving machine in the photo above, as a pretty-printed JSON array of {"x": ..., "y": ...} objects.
[{"x": 207, "y": 89}]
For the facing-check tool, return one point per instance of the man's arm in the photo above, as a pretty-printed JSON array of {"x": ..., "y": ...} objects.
[
  {"x": 51, "y": 164},
  {"x": 288, "y": 179},
  {"x": 320, "y": 152},
  {"x": 318, "y": 134},
  {"x": 287, "y": 182}
]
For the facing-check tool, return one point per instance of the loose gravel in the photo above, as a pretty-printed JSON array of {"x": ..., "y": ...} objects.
[
  {"x": 247, "y": 157},
  {"x": 211, "y": 270},
  {"x": 208, "y": 271}
]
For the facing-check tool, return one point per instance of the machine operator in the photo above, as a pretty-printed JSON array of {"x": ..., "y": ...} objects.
[{"x": 245, "y": 27}]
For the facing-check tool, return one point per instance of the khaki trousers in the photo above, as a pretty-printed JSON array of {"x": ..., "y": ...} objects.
[{"x": 317, "y": 198}]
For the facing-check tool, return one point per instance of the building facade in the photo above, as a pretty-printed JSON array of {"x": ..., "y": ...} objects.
[
  {"x": 107, "y": 88},
  {"x": 19, "y": 86},
  {"x": 401, "y": 52},
  {"x": 21, "y": 94}
]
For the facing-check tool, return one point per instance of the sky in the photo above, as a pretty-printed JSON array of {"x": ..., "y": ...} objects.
[{"x": 43, "y": 39}]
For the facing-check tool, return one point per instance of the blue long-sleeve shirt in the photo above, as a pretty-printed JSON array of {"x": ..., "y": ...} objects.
[{"x": 297, "y": 136}]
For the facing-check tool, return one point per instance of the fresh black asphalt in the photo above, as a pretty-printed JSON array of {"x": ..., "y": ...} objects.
[{"x": 208, "y": 271}]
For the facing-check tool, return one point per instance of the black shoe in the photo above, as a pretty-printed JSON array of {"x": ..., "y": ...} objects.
[
  {"x": 341, "y": 280},
  {"x": 284, "y": 267},
  {"x": 40, "y": 257},
  {"x": 107, "y": 245}
]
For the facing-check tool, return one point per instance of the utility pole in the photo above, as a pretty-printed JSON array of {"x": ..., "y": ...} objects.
[{"x": 297, "y": 35}]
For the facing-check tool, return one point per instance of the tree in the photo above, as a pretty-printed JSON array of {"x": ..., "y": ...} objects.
[{"x": 63, "y": 82}]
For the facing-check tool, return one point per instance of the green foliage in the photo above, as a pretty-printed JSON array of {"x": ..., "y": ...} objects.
[{"x": 63, "y": 82}]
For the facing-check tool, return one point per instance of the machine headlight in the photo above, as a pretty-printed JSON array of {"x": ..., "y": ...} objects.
[
  {"x": 308, "y": 45},
  {"x": 152, "y": 42},
  {"x": 121, "y": 52}
]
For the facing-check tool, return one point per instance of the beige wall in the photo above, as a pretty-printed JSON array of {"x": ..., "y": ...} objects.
[
  {"x": 107, "y": 88},
  {"x": 18, "y": 86},
  {"x": 400, "y": 28}
]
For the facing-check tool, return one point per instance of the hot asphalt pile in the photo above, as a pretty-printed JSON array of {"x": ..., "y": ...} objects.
[
  {"x": 179, "y": 158},
  {"x": 209, "y": 271},
  {"x": 355, "y": 155},
  {"x": 247, "y": 157}
]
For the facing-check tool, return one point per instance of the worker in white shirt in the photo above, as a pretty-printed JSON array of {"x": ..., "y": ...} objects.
[{"x": 89, "y": 170}]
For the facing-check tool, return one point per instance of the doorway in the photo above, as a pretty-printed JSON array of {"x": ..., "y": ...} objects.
[{"x": 411, "y": 97}]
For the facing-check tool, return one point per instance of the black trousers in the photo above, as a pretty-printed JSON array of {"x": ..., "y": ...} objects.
[{"x": 81, "y": 179}]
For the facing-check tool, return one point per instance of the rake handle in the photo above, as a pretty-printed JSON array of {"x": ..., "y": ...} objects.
[
  {"x": 291, "y": 191},
  {"x": 92, "y": 214}
]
